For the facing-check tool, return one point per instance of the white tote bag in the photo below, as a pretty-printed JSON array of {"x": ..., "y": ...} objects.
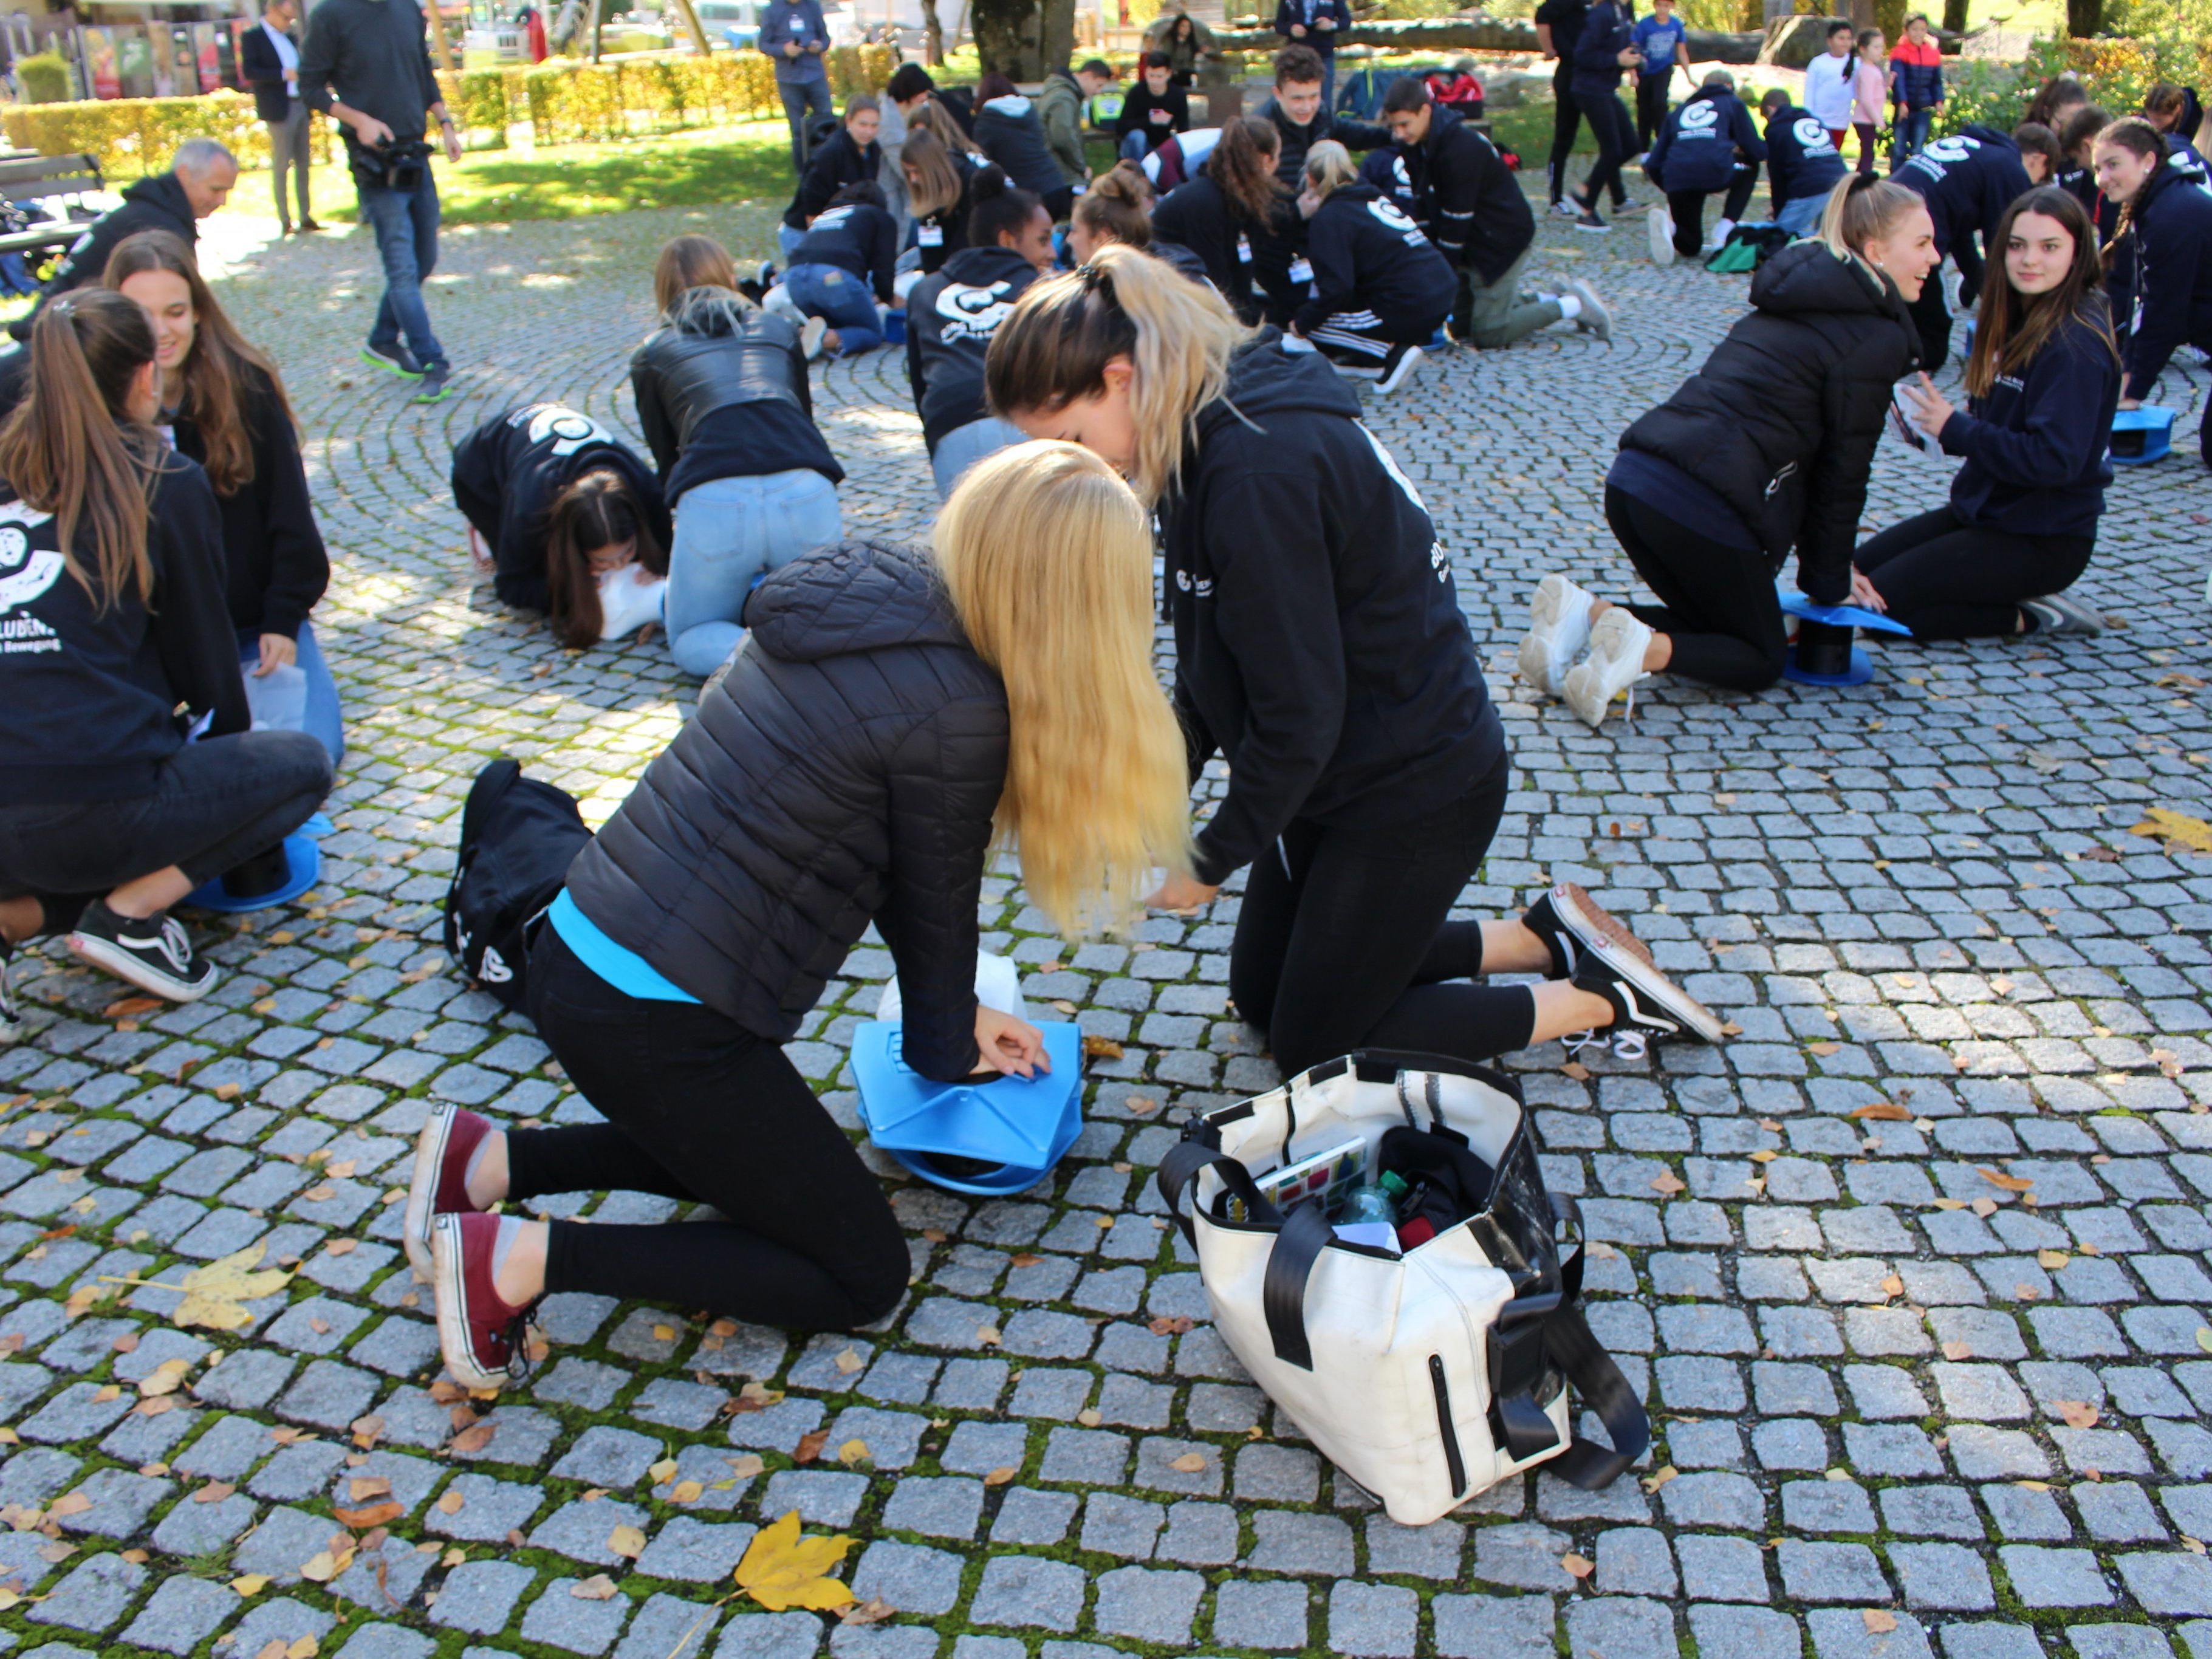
[{"x": 1426, "y": 1377}]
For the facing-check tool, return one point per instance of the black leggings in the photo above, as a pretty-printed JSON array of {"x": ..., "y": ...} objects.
[
  {"x": 1651, "y": 106},
  {"x": 1687, "y": 208},
  {"x": 1343, "y": 940},
  {"x": 1945, "y": 580},
  {"x": 1614, "y": 131},
  {"x": 1566, "y": 116},
  {"x": 1718, "y": 603},
  {"x": 699, "y": 1109}
]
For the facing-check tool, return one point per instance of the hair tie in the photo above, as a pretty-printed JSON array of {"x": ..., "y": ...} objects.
[{"x": 1094, "y": 276}]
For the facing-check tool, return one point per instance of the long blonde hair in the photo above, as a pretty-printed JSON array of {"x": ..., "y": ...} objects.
[
  {"x": 1063, "y": 332},
  {"x": 1048, "y": 560}
]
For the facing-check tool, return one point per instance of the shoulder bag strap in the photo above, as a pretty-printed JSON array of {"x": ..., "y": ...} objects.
[
  {"x": 1283, "y": 1293},
  {"x": 1181, "y": 1167},
  {"x": 1590, "y": 1370}
]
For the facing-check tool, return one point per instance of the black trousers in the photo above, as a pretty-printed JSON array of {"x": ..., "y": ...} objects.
[
  {"x": 1651, "y": 108},
  {"x": 1343, "y": 939},
  {"x": 698, "y": 1108},
  {"x": 1567, "y": 117},
  {"x": 1687, "y": 208},
  {"x": 1363, "y": 336},
  {"x": 1946, "y": 580},
  {"x": 1614, "y": 130},
  {"x": 1932, "y": 317},
  {"x": 1718, "y": 603}
]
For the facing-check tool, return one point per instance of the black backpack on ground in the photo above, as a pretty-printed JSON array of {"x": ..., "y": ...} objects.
[{"x": 519, "y": 837}]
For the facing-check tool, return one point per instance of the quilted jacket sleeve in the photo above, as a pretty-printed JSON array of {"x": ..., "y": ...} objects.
[{"x": 945, "y": 780}]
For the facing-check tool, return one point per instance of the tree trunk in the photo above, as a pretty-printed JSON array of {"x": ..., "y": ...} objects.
[
  {"x": 599, "y": 16},
  {"x": 1059, "y": 33},
  {"x": 2084, "y": 18},
  {"x": 1008, "y": 37},
  {"x": 1954, "y": 16},
  {"x": 932, "y": 35}
]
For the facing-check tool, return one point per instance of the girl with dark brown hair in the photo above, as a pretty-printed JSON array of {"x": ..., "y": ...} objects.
[
  {"x": 224, "y": 404},
  {"x": 111, "y": 618},
  {"x": 1217, "y": 214},
  {"x": 2041, "y": 385}
]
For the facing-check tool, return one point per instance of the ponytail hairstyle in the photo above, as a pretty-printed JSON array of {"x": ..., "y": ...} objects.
[
  {"x": 687, "y": 263},
  {"x": 1242, "y": 166},
  {"x": 1063, "y": 332},
  {"x": 597, "y": 509},
  {"x": 1861, "y": 209},
  {"x": 934, "y": 118},
  {"x": 2139, "y": 138},
  {"x": 217, "y": 377},
  {"x": 2013, "y": 326},
  {"x": 1117, "y": 207},
  {"x": 1047, "y": 557},
  {"x": 2036, "y": 139},
  {"x": 72, "y": 449},
  {"x": 2166, "y": 102},
  {"x": 1329, "y": 169},
  {"x": 1002, "y": 208},
  {"x": 933, "y": 181}
]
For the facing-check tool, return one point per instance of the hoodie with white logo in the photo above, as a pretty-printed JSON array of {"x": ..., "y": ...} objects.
[
  {"x": 949, "y": 318},
  {"x": 91, "y": 691}
]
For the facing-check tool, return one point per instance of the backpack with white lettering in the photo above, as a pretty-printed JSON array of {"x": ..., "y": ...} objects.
[
  {"x": 1429, "y": 1359},
  {"x": 519, "y": 837}
]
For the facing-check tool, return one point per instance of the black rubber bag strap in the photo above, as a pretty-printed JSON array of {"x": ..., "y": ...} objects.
[
  {"x": 1565, "y": 1212},
  {"x": 1283, "y": 1294},
  {"x": 1594, "y": 1376},
  {"x": 1181, "y": 1167}
]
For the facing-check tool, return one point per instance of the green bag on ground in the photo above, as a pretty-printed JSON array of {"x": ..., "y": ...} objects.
[{"x": 1733, "y": 258}]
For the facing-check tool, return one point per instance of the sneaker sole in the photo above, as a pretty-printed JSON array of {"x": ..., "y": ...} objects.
[
  {"x": 449, "y": 1286},
  {"x": 430, "y": 1144},
  {"x": 1404, "y": 371},
  {"x": 386, "y": 363},
  {"x": 1576, "y": 694},
  {"x": 1627, "y": 955},
  {"x": 437, "y": 396},
  {"x": 1540, "y": 649},
  {"x": 125, "y": 965}
]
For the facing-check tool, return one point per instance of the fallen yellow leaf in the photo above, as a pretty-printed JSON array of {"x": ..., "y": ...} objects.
[
  {"x": 1887, "y": 1111},
  {"x": 664, "y": 1471},
  {"x": 598, "y": 1587},
  {"x": 1658, "y": 1477},
  {"x": 1189, "y": 1463},
  {"x": 1580, "y": 1565},
  {"x": 2164, "y": 822},
  {"x": 854, "y": 1451},
  {"x": 781, "y": 1570},
  {"x": 687, "y": 1491},
  {"x": 214, "y": 1295},
  {"x": 2079, "y": 1413},
  {"x": 2053, "y": 1259},
  {"x": 627, "y": 1541},
  {"x": 1879, "y": 1621},
  {"x": 249, "y": 1584}
]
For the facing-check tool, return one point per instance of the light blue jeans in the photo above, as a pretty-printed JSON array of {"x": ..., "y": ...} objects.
[
  {"x": 1802, "y": 216},
  {"x": 730, "y": 532},
  {"x": 843, "y": 300},
  {"x": 962, "y": 447},
  {"x": 325, "y": 721}
]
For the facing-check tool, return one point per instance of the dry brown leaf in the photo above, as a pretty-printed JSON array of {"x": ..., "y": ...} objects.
[
  {"x": 1189, "y": 1463},
  {"x": 1998, "y": 1178},
  {"x": 1001, "y": 1476},
  {"x": 474, "y": 1438},
  {"x": 627, "y": 1541},
  {"x": 362, "y": 1487},
  {"x": 1141, "y": 1106},
  {"x": 372, "y": 1515},
  {"x": 1984, "y": 1207},
  {"x": 1577, "y": 1070},
  {"x": 2054, "y": 1259},
  {"x": 873, "y": 1612},
  {"x": 130, "y": 1005},
  {"x": 1166, "y": 1327},
  {"x": 1823, "y": 1048},
  {"x": 1765, "y": 1155},
  {"x": 214, "y": 1492},
  {"x": 746, "y": 1467},
  {"x": 1893, "y": 1285},
  {"x": 1091, "y": 1417},
  {"x": 810, "y": 1446},
  {"x": 321, "y": 1567},
  {"x": 1101, "y": 1048},
  {"x": 155, "y": 1406},
  {"x": 452, "y": 1503},
  {"x": 1667, "y": 1182},
  {"x": 1885, "y": 1111},
  {"x": 1658, "y": 1477},
  {"x": 598, "y": 1587},
  {"x": 1879, "y": 1621},
  {"x": 986, "y": 1336},
  {"x": 1955, "y": 1350},
  {"x": 1027, "y": 1259},
  {"x": 847, "y": 1363},
  {"x": 1580, "y": 1566},
  {"x": 687, "y": 1491},
  {"x": 2079, "y": 1413}
]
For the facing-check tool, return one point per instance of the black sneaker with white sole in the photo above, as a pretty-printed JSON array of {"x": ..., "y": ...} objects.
[
  {"x": 155, "y": 954},
  {"x": 1647, "y": 1006}
]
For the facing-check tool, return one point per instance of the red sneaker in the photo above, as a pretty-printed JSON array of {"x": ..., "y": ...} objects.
[
  {"x": 449, "y": 1139},
  {"x": 480, "y": 1334}
]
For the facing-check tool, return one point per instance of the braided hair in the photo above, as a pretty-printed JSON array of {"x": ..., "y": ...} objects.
[{"x": 2133, "y": 134}]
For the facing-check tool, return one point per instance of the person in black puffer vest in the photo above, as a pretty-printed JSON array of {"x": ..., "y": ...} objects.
[
  {"x": 555, "y": 503},
  {"x": 723, "y": 397},
  {"x": 1380, "y": 290},
  {"x": 1320, "y": 648},
  {"x": 894, "y": 711},
  {"x": 850, "y": 156},
  {"x": 1766, "y": 448},
  {"x": 2044, "y": 378},
  {"x": 1967, "y": 178},
  {"x": 1008, "y": 132},
  {"x": 952, "y": 315}
]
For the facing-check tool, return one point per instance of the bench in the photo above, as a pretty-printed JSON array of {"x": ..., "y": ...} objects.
[{"x": 45, "y": 178}]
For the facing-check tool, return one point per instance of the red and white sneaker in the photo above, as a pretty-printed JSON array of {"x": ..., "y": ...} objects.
[
  {"x": 448, "y": 1140},
  {"x": 480, "y": 1334}
]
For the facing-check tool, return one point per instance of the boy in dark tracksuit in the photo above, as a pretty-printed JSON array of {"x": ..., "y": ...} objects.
[
  {"x": 1708, "y": 145},
  {"x": 1802, "y": 164},
  {"x": 1968, "y": 179},
  {"x": 1377, "y": 284}
]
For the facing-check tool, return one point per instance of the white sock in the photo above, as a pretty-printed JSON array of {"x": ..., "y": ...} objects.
[
  {"x": 1570, "y": 308},
  {"x": 1721, "y": 228}
]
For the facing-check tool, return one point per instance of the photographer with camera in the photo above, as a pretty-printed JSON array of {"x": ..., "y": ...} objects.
[{"x": 367, "y": 64}]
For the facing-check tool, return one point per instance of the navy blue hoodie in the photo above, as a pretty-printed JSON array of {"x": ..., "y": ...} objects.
[
  {"x": 91, "y": 695},
  {"x": 1319, "y": 641},
  {"x": 1368, "y": 256},
  {"x": 2170, "y": 234},
  {"x": 1801, "y": 157},
  {"x": 2035, "y": 447},
  {"x": 951, "y": 317},
  {"x": 1968, "y": 178},
  {"x": 858, "y": 237},
  {"x": 1697, "y": 145},
  {"x": 1606, "y": 32}
]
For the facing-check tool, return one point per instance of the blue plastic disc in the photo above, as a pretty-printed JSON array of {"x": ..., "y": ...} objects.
[{"x": 1020, "y": 1127}]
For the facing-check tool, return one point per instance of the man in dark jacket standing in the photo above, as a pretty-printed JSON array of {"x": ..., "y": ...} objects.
[
  {"x": 1468, "y": 201},
  {"x": 376, "y": 54},
  {"x": 268, "y": 57},
  {"x": 199, "y": 181},
  {"x": 1708, "y": 145},
  {"x": 791, "y": 33},
  {"x": 1315, "y": 24},
  {"x": 1559, "y": 27}
]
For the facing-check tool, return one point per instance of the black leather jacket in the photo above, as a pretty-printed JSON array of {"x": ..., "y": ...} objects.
[{"x": 683, "y": 376}]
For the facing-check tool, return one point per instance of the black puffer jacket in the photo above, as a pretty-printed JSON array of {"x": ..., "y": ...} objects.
[
  {"x": 680, "y": 378},
  {"x": 1782, "y": 420},
  {"x": 844, "y": 771}
]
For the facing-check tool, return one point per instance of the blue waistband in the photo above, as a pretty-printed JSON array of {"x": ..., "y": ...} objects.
[{"x": 627, "y": 971}]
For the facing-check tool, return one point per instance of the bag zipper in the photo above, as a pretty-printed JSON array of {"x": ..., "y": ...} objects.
[{"x": 1455, "y": 1466}]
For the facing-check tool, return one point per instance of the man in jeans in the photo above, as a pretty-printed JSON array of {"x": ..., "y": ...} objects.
[
  {"x": 367, "y": 64},
  {"x": 793, "y": 32}
]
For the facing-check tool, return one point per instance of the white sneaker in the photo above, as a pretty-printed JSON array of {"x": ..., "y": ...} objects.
[
  {"x": 1564, "y": 209},
  {"x": 1660, "y": 227},
  {"x": 1559, "y": 628},
  {"x": 810, "y": 337},
  {"x": 1615, "y": 665}
]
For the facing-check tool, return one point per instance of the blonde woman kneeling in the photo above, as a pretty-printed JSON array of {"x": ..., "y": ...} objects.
[{"x": 892, "y": 711}]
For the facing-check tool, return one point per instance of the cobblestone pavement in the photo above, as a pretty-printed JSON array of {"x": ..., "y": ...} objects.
[{"x": 1927, "y": 1385}]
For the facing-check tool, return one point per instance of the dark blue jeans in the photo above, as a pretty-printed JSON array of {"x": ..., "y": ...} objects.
[
  {"x": 406, "y": 223},
  {"x": 1908, "y": 134},
  {"x": 803, "y": 101},
  {"x": 843, "y": 300}
]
